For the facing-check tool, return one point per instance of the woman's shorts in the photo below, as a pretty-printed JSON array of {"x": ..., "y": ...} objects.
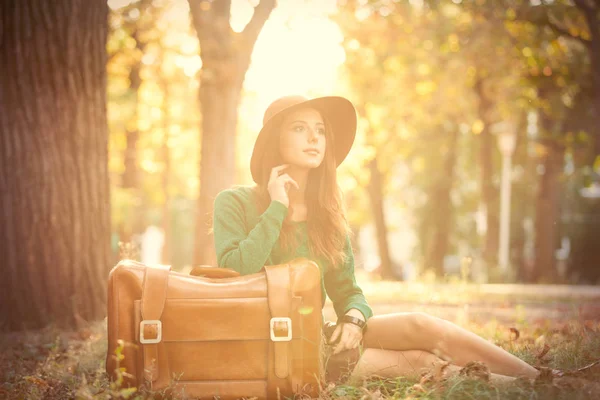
[{"x": 338, "y": 366}]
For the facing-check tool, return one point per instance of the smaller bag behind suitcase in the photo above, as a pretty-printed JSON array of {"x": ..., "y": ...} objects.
[{"x": 247, "y": 336}]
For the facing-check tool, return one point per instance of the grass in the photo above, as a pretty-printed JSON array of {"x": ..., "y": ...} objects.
[{"x": 54, "y": 364}]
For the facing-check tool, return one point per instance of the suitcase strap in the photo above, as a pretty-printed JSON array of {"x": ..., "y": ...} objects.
[
  {"x": 279, "y": 293},
  {"x": 154, "y": 294}
]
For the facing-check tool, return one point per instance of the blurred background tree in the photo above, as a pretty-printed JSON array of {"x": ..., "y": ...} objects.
[{"x": 430, "y": 80}]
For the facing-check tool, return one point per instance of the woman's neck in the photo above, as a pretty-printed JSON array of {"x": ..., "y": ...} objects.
[{"x": 297, "y": 196}]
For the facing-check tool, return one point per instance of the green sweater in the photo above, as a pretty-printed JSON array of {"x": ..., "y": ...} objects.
[{"x": 246, "y": 241}]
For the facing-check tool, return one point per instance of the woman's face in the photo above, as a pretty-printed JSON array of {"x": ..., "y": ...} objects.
[{"x": 302, "y": 140}]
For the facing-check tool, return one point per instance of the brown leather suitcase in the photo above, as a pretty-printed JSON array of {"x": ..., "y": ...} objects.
[{"x": 216, "y": 334}]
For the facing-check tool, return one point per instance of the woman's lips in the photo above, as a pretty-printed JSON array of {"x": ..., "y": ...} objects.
[{"x": 312, "y": 152}]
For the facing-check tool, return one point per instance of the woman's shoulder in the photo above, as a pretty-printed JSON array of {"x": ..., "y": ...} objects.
[{"x": 236, "y": 193}]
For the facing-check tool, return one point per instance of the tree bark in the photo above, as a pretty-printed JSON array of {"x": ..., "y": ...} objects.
[
  {"x": 547, "y": 211},
  {"x": 441, "y": 207},
  {"x": 376, "y": 195},
  {"x": 547, "y": 217},
  {"x": 55, "y": 230},
  {"x": 489, "y": 192},
  {"x": 225, "y": 60},
  {"x": 591, "y": 12}
]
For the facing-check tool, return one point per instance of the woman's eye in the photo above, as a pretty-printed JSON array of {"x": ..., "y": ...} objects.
[
  {"x": 321, "y": 131},
  {"x": 298, "y": 128}
]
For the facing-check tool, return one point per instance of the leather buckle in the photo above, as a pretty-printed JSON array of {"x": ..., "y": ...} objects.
[
  {"x": 288, "y": 322},
  {"x": 158, "y": 324}
]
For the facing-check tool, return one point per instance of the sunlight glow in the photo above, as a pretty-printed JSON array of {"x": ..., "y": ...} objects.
[{"x": 298, "y": 51}]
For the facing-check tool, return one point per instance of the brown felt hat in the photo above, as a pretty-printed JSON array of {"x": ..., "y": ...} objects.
[{"x": 337, "y": 111}]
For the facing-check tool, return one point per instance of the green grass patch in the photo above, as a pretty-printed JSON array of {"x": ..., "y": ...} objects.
[{"x": 53, "y": 364}]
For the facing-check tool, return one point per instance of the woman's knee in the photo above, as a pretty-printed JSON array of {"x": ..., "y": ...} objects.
[
  {"x": 423, "y": 323},
  {"x": 402, "y": 331}
]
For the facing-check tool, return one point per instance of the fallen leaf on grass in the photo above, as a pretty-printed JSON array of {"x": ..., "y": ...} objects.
[
  {"x": 436, "y": 374},
  {"x": 37, "y": 381},
  {"x": 515, "y": 333},
  {"x": 543, "y": 352},
  {"x": 476, "y": 370}
]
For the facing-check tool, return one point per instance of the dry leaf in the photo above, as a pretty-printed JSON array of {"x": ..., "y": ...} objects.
[
  {"x": 515, "y": 333},
  {"x": 543, "y": 352},
  {"x": 476, "y": 370},
  {"x": 546, "y": 376}
]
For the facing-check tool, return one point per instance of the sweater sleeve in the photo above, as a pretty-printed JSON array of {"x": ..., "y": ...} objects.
[
  {"x": 342, "y": 289},
  {"x": 237, "y": 249}
]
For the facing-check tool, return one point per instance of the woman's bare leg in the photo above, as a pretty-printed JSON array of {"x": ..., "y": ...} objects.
[
  {"x": 411, "y": 364},
  {"x": 448, "y": 341}
]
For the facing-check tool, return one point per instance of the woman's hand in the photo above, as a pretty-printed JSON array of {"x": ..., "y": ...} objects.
[
  {"x": 279, "y": 185},
  {"x": 349, "y": 336}
]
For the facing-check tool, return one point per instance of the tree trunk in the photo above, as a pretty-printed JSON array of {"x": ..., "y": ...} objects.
[
  {"x": 547, "y": 217},
  {"x": 225, "y": 60},
  {"x": 130, "y": 174},
  {"x": 441, "y": 207},
  {"x": 591, "y": 12},
  {"x": 55, "y": 231},
  {"x": 376, "y": 195},
  {"x": 547, "y": 211},
  {"x": 217, "y": 171},
  {"x": 489, "y": 192}
]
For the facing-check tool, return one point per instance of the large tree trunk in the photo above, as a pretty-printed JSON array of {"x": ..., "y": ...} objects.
[
  {"x": 442, "y": 211},
  {"x": 55, "y": 230},
  {"x": 489, "y": 191},
  {"x": 376, "y": 195},
  {"x": 225, "y": 60},
  {"x": 591, "y": 12}
]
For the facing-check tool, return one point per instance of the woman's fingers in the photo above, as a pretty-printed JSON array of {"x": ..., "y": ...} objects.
[
  {"x": 336, "y": 334},
  {"x": 275, "y": 170},
  {"x": 350, "y": 338},
  {"x": 288, "y": 179},
  {"x": 344, "y": 341}
]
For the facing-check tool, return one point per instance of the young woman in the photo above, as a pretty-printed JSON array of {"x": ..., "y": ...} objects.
[{"x": 296, "y": 210}]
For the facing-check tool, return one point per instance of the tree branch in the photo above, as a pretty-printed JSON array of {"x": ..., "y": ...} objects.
[
  {"x": 211, "y": 19},
  {"x": 260, "y": 16},
  {"x": 527, "y": 15}
]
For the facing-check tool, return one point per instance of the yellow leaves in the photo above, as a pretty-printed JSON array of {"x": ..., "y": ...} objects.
[
  {"x": 418, "y": 164},
  {"x": 423, "y": 69},
  {"x": 527, "y": 52},
  {"x": 453, "y": 43},
  {"x": 424, "y": 88},
  {"x": 511, "y": 14},
  {"x": 478, "y": 127},
  {"x": 392, "y": 64},
  {"x": 41, "y": 383},
  {"x": 471, "y": 72}
]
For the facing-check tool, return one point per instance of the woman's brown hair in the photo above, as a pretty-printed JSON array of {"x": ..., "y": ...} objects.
[{"x": 327, "y": 226}]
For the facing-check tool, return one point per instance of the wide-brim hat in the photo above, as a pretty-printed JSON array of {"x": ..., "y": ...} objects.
[{"x": 337, "y": 111}]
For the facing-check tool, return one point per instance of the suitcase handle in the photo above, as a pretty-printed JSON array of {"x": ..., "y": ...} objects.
[{"x": 213, "y": 272}]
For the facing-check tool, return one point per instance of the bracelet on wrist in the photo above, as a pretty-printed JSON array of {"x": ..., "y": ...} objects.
[{"x": 355, "y": 321}]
